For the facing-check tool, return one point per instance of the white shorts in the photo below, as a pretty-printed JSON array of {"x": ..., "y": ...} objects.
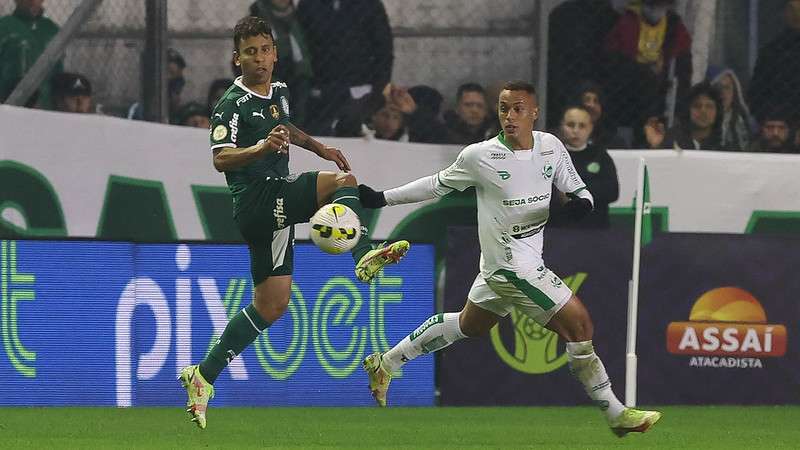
[{"x": 539, "y": 294}]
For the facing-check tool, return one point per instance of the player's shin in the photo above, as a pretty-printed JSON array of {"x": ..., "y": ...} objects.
[
  {"x": 586, "y": 366},
  {"x": 240, "y": 332},
  {"x": 434, "y": 334},
  {"x": 348, "y": 196}
]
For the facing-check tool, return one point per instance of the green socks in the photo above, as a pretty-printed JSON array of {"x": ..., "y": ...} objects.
[
  {"x": 348, "y": 196},
  {"x": 240, "y": 332}
]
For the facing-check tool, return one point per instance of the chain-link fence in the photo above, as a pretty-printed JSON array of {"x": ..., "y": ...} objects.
[
  {"x": 699, "y": 74},
  {"x": 640, "y": 58}
]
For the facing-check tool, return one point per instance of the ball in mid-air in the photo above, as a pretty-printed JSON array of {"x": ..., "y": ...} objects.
[{"x": 335, "y": 228}]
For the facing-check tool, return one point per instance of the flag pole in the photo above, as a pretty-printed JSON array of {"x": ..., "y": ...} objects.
[{"x": 631, "y": 359}]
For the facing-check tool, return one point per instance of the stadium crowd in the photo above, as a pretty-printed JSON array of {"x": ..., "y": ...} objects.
[{"x": 629, "y": 71}]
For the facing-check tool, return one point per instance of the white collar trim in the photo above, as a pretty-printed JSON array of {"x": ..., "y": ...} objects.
[{"x": 238, "y": 81}]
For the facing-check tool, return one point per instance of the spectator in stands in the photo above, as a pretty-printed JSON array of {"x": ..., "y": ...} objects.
[
  {"x": 294, "y": 57},
  {"x": 392, "y": 114},
  {"x": 215, "y": 91},
  {"x": 736, "y": 119},
  {"x": 351, "y": 54},
  {"x": 193, "y": 114},
  {"x": 774, "y": 134},
  {"x": 576, "y": 32},
  {"x": 23, "y": 37},
  {"x": 591, "y": 96},
  {"x": 470, "y": 122},
  {"x": 72, "y": 92},
  {"x": 776, "y": 76},
  {"x": 647, "y": 46},
  {"x": 593, "y": 164},
  {"x": 699, "y": 126},
  {"x": 175, "y": 83}
]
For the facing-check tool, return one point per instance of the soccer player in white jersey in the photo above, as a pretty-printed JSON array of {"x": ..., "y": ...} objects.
[{"x": 513, "y": 174}]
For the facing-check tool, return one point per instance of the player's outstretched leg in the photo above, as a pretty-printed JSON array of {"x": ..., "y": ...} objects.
[
  {"x": 434, "y": 334},
  {"x": 199, "y": 392},
  {"x": 342, "y": 188}
]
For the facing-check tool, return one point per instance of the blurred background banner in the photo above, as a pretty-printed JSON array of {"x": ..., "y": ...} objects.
[
  {"x": 718, "y": 320},
  {"x": 522, "y": 363},
  {"x": 65, "y": 342}
]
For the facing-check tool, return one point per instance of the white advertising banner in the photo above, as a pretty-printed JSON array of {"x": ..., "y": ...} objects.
[{"x": 63, "y": 173}]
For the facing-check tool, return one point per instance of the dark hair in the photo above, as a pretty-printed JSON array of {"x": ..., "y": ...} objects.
[
  {"x": 579, "y": 107},
  {"x": 585, "y": 86},
  {"x": 519, "y": 85},
  {"x": 700, "y": 89},
  {"x": 248, "y": 27},
  {"x": 774, "y": 114},
  {"x": 469, "y": 87}
]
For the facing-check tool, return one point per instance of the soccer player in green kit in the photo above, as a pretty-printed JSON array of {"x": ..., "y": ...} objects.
[{"x": 250, "y": 137}]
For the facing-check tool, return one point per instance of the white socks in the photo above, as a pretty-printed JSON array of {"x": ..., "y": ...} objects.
[
  {"x": 589, "y": 370},
  {"x": 434, "y": 334}
]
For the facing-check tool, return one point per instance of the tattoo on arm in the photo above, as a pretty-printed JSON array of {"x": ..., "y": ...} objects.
[{"x": 299, "y": 137}]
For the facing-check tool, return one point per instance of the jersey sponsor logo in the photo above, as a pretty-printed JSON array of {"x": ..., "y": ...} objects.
[
  {"x": 260, "y": 113},
  {"x": 494, "y": 155},
  {"x": 273, "y": 110},
  {"x": 243, "y": 99},
  {"x": 526, "y": 200},
  {"x": 285, "y": 105},
  {"x": 504, "y": 175},
  {"x": 279, "y": 213},
  {"x": 547, "y": 171},
  {"x": 593, "y": 167},
  {"x": 523, "y": 230},
  {"x": 219, "y": 115},
  {"x": 234, "y": 124},
  {"x": 219, "y": 133}
]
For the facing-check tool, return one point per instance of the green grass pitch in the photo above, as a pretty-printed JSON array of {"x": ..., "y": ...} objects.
[{"x": 705, "y": 427}]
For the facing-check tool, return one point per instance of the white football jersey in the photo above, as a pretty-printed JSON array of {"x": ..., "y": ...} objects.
[{"x": 513, "y": 192}]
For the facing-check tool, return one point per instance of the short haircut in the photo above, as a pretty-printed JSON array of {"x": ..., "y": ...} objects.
[
  {"x": 469, "y": 87},
  {"x": 519, "y": 85},
  {"x": 249, "y": 27}
]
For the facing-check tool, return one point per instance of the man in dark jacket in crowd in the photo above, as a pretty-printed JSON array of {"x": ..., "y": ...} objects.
[
  {"x": 470, "y": 122},
  {"x": 776, "y": 76},
  {"x": 351, "y": 54}
]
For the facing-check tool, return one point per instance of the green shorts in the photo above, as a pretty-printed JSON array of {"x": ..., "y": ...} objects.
[{"x": 268, "y": 210}]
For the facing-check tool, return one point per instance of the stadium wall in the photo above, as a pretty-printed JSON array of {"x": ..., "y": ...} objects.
[{"x": 96, "y": 176}]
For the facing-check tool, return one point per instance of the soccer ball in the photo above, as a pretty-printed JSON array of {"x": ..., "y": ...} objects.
[{"x": 335, "y": 228}]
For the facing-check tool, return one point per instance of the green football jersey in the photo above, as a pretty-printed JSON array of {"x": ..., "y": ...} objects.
[{"x": 241, "y": 119}]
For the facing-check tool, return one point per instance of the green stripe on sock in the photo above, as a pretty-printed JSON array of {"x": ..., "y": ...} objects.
[{"x": 528, "y": 289}]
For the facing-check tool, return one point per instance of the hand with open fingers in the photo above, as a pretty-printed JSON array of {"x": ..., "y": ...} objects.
[{"x": 335, "y": 155}]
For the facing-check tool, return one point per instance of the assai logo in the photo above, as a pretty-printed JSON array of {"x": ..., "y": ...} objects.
[
  {"x": 536, "y": 349},
  {"x": 727, "y": 327}
]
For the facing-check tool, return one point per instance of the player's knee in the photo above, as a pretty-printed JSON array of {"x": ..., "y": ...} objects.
[
  {"x": 471, "y": 328},
  {"x": 346, "y": 179},
  {"x": 271, "y": 307}
]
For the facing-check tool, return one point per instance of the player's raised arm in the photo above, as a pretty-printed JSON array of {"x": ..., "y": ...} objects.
[
  {"x": 458, "y": 176},
  {"x": 302, "y": 139},
  {"x": 231, "y": 157}
]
